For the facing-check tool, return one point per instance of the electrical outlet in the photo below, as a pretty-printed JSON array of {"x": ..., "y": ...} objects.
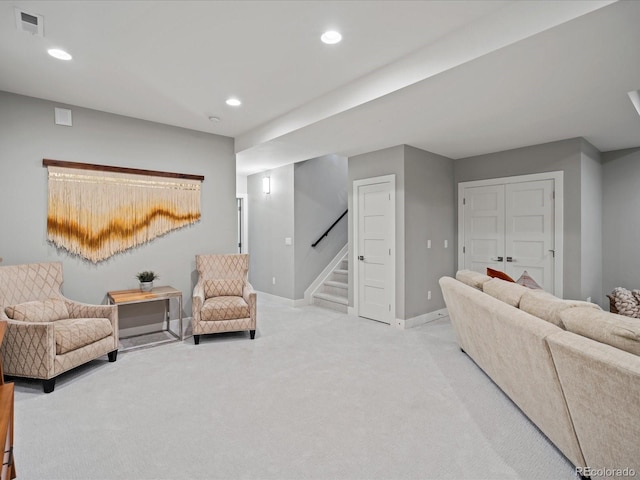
[
  {"x": 588, "y": 299},
  {"x": 428, "y": 243},
  {"x": 273, "y": 280},
  {"x": 446, "y": 244},
  {"x": 429, "y": 295}
]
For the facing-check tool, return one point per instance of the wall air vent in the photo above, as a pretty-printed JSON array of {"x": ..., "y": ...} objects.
[{"x": 30, "y": 23}]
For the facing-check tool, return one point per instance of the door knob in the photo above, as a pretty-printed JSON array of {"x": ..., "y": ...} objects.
[
  {"x": 497, "y": 259},
  {"x": 360, "y": 257},
  {"x": 510, "y": 259}
]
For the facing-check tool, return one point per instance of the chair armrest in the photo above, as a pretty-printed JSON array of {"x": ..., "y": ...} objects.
[
  {"x": 249, "y": 296},
  {"x": 86, "y": 310},
  {"x": 248, "y": 293},
  {"x": 197, "y": 301},
  {"x": 24, "y": 344}
]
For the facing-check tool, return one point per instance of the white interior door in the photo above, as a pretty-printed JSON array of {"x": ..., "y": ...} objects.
[
  {"x": 375, "y": 259},
  {"x": 512, "y": 224},
  {"x": 484, "y": 227},
  {"x": 529, "y": 232}
]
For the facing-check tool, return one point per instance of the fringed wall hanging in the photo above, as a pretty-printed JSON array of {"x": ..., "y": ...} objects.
[{"x": 97, "y": 211}]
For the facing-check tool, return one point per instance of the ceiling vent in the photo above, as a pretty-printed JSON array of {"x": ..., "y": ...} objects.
[{"x": 30, "y": 23}]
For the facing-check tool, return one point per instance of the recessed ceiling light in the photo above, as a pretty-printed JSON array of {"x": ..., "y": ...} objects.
[
  {"x": 59, "y": 54},
  {"x": 234, "y": 102},
  {"x": 330, "y": 37}
]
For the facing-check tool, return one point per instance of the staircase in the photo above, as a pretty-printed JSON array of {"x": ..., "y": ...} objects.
[{"x": 334, "y": 292}]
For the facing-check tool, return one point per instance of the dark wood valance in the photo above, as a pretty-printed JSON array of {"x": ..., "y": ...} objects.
[{"x": 109, "y": 168}]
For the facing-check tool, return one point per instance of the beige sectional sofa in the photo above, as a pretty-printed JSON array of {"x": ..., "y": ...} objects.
[{"x": 572, "y": 368}]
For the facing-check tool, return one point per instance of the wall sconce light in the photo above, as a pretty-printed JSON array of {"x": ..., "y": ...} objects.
[{"x": 266, "y": 185}]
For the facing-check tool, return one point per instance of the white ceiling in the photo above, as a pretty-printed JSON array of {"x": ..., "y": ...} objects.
[{"x": 456, "y": 78}]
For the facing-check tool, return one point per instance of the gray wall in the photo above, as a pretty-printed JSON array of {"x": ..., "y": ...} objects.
[
  {"x": 620, "y": 224},
  {"x": 28, "y": 134},
  {"x": 375, "y": 164},
  {"x": 320, "y": 197},
  {"x": 305, "y": 199},
  {"x": 591, "y": 224},
  {"x": 271, "y": 220},
  {"x": 429, "y": 215},
  {"x": 425, "y": 210},
  {"x": 564, "y": 155}
]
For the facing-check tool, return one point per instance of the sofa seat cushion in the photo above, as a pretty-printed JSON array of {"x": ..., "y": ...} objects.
[
  {"x": 507, "y": 292},
  {"x": 549, "y": 307},
  {"x": 223, "y": 287},
  {"x": 604, "y": 327},
  {"x": 224, "y": 308},
  {"x": 471, "y": 278},
  {"x": 38, "y": 310},
  {"x": 74, "y": 333}
]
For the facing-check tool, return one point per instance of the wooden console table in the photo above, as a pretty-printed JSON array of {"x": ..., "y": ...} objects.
[{"x": 128, "y": 297}]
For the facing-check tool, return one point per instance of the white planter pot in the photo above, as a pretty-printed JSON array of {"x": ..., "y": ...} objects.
[{"x": 146, "y": 286}]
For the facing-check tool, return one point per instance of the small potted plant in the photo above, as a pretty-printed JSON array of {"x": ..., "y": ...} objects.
[{"x": 146, "y": 279}]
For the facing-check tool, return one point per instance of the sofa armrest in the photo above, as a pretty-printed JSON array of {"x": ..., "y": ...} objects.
[{"x": 29, "y": 349}]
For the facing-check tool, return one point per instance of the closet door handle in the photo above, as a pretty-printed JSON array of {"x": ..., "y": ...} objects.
[
  {"x": 497, "y": 259},
  {"x": 510, "y": 259}
]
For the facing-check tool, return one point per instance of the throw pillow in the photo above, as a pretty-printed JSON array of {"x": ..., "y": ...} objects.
[
  {"x": 47, "y": 310},
  {"x": 223, "y": 288},
  {"x": 526, "y": 281},
  {"x": 626, "y": 302},
  {"x": 498, "y": 274}
]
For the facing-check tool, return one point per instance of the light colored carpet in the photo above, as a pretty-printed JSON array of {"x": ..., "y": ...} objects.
[{"x": 317, "y": 395}]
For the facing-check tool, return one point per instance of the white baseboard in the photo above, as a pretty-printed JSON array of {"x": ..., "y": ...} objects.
[
  {"x": 282, "y": 300},
  {"x": 420, "y": 319}
]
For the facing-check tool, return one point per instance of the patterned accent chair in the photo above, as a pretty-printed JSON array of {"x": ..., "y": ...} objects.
[
  {"x": 223, "y": 298},
  {"x": 48, "y": 334}
]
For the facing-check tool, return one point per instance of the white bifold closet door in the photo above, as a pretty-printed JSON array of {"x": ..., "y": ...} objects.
[{"x": 510, "y": 227}]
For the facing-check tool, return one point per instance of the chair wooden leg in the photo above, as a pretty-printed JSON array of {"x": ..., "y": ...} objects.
[
  {"x": 48, "y": 385},
  {"x": 196, "y": 339},
  {"x": 113, "y": 355},
  {"x": 252, "y": 334}
]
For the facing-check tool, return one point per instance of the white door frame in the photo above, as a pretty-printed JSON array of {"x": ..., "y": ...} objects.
[
  {"x": 245, "y": 221},
  {"x": 558, "y": 178},
  {"x": 391, "y": 179}
]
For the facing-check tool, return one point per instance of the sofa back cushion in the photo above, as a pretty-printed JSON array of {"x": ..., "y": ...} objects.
[
  {"x": 223, "y": 287},
  {"x": 549, "y": 307},
  {"x": 471, "y": 278},
  {"x": 507, "y": 292},
  {"x": 604, "y": 327},
  {"x": 47, "y": 310}
]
